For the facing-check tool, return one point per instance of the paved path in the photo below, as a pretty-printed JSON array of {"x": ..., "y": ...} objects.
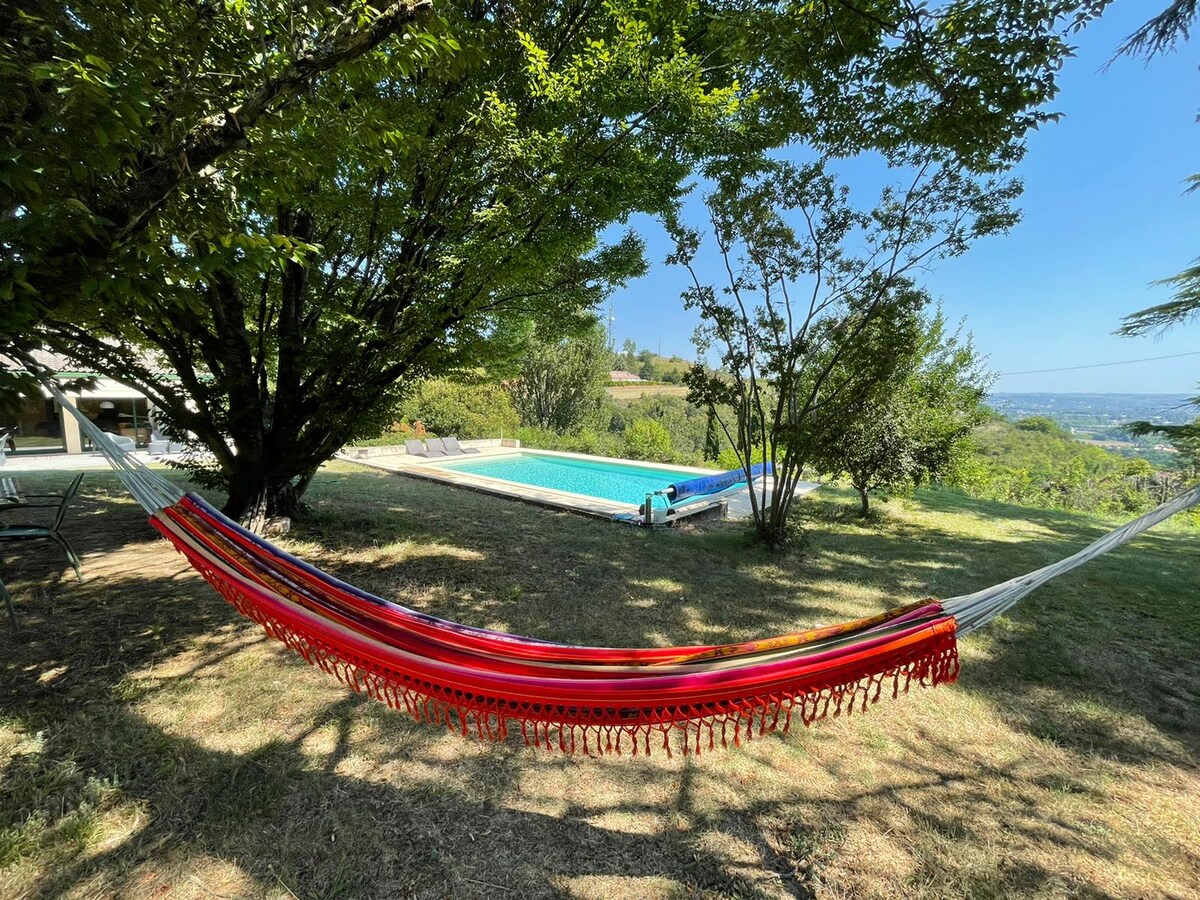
[
  {"x": 739, "y": 503},
  {"x": 51, "y": 462}
]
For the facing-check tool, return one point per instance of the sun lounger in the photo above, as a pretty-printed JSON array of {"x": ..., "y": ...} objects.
[
  {"x": 435, "y": 447},
  {"x": 417, "y": 448},
  {"x": 454, "y": 448}
]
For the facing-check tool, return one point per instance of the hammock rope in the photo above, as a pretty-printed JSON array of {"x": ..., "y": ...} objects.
[{"x": 594, "y": 700}]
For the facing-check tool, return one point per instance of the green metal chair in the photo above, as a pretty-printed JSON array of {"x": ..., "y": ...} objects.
[{"x": 19, "y": 531}]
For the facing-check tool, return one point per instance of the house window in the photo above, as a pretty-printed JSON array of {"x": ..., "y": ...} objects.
[
  {"x": 36, "y": 427},
  {"x": 125, "y": 416}
]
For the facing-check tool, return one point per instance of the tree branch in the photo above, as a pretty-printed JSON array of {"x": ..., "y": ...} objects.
[{"x": 222, "y": 132}]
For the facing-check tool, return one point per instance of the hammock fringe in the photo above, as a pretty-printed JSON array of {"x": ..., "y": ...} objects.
[{"x": 690, "y": 730}]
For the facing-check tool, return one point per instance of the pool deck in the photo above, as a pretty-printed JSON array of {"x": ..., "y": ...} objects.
[{"x": 730, "y": 504}]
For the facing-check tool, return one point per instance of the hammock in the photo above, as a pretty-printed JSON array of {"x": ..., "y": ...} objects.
[{"x": 576, "y": 699}]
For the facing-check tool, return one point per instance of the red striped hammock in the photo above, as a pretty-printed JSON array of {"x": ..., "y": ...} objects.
[
  {"x": 574, "y": 699},
  {"x": 594, "y": 700}
]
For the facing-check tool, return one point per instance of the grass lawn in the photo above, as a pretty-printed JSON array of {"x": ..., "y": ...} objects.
[{"x": 153, "y": 744}]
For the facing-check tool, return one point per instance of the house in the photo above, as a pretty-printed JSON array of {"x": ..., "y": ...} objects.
[{"x": 42, "y": 426}]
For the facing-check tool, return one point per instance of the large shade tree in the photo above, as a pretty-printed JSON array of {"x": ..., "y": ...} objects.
[{"x": 299, "y": 213}]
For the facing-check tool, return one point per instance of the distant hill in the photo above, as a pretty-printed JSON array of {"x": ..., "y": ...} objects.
[
  {"x": 1034, "y": 462},
  {"x": 1096, "y": 410},
  {"x": 1098, "y": 418}
]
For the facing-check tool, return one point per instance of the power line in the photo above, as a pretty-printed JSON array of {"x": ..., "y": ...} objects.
[{"x": 1124, "y": 362}]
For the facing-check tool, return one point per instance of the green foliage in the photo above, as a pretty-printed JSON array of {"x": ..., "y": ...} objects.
[
  {"x": 912, "y": 427},
  {"x": 1160, "y": 34},
  {"x": 712, "y": 436},
  {"x": 647, "y": 439},
  {"x": 393, "y": 227},
  {"x": 1048, "y": 468},
  {"x": 467, "y": 411},
  {"x": 560, "y": 386},
  {"x": 806, "y": 329},
  {"x": 586, "y": 440},
  {"x": 1042, "y": 425},
  {"x": 111, "y": 111},
  {"x": 685, "y": 422}
]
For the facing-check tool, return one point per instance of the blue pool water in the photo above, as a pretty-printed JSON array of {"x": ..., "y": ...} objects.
[{"x": 621, "y": 482}]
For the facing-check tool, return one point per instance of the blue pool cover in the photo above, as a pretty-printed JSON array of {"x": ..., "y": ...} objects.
[{"x": 709, "y": 484}]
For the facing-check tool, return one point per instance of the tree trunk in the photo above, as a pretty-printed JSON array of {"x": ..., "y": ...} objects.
[
  {"x": 771, "y": 524},
  {"x": 864, "y": 501},
  {"x": 774, "y": 537},
  {"x": 259, "y": 490}
]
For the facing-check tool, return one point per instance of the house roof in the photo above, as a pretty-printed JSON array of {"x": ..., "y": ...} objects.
[
  {"x": 67, "y": 367},
  {"x": 622, "y": 375}
]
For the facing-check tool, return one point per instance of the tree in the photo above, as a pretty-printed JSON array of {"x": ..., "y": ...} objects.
[
  {"x": 627, "y": 359},
  {"x": 914, "y": 425},
  {"x": 645, "y": 368},
  {"x": 448, "y": 205},
  {"x": 109, "y": 109},
  {"x": 791, "y": 323},
  {"x": 561, "y": 384},
  {"x": 712, "y": 436},
  {"x": 1157, "y": 36},
  {"x": 301, "y": 223},
  {"x": 1040, "y": 424}
]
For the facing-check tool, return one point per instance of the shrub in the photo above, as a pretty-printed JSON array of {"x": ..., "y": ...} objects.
[
  {"x": 465, "y": 410},
  {"x": 648, "y": 439}
]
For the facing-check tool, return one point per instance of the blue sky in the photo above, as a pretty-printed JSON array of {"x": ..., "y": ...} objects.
[{"x": 1103, "y": 216}]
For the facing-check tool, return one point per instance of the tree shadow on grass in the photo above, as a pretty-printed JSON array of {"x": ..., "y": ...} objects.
[
  {"x": 443, "y": 821},
  {"x": 282, "y": 812},
  {"x": 1078, "y": 664},
  {"x": 288, "y": 819}
]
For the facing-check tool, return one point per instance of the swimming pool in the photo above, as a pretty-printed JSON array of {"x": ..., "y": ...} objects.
[{"x": 619, "y": 482}]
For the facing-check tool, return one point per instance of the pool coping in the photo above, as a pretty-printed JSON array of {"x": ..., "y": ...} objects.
[{"x": 433, "y": 470}]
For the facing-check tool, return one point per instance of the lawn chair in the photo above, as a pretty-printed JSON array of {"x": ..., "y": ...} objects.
[
  {"x": 11, "y": 533},
  {"x": 435, "y": 447},
  {"x": 454, "y": 448},
  {"x": 417, "y": 448}
]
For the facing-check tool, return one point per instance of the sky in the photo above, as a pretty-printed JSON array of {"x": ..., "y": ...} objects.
[{"x": 1104, "y": 214}]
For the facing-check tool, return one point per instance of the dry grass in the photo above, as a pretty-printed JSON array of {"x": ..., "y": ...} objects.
[
  {"x": 152, "y": 744},
  {"x": 625, "y": 394}
]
